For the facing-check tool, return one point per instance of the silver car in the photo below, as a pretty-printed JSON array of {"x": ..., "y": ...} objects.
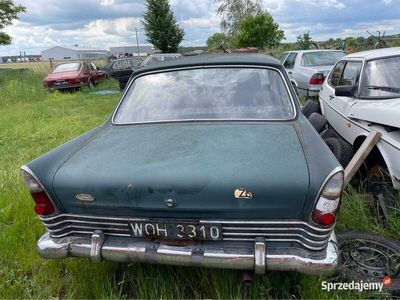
[{"x": 308, "y": 69}]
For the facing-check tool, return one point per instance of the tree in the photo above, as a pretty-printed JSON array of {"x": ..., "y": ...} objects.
[
  {"x": 8, "y": 12},
  {"x": 234, "y": 11},
  {"x": 216, "y": 40},
  {"x": 259, "y": 31},
  {"x": 351, "y": 42},
  {"x": 161, "y": 27},
  {"x": 304, "y": 41}
]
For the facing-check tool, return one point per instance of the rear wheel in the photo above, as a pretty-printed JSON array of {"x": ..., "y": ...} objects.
[
  {"x": 369, "y": 258},
  {"x": 318, "y": 121},
  {"x": 310, "y": 107},
  {"x": 341, "y": 149},
  {"x": 328, "y": 133}
]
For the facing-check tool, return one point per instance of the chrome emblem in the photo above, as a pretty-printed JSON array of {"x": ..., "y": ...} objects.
[
  {"x": 170, "y": 202},
  {"x": 241, "y": 193},
  {"x": 85, "y": 197}
]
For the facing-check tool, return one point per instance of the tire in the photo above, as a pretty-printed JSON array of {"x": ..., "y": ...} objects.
[
  {"x": 310, "y": 107},
  {"x": 369, "y": 257},
  {"x": 328, "y": 133},
  {"x": 341, "y": 149},
  {"x": 91, "y": 84},
  {"x": 318, "y": 121}
]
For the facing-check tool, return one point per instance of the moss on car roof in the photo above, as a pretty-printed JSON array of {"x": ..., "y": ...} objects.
[{"x": 213, "y": 60}]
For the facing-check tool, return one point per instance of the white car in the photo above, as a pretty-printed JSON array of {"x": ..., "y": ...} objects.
[
  {"x": 308, "y": 69},
  {"x": 361, "y": 94}
]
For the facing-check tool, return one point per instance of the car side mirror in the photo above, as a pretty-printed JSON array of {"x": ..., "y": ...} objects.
[{"x": 345, "y": 90}]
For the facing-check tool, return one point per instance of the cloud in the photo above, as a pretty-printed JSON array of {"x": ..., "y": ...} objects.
[{"x": 105, "y": 23}]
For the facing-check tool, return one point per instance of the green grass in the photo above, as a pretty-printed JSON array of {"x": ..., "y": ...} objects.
[{"x": 32, "y": 122}]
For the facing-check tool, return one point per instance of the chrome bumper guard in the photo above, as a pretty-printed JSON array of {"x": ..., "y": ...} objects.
[{"x": 126, "y": 250}]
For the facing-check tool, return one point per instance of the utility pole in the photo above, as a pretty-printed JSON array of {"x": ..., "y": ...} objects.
[{"x": 137, "y": 42}]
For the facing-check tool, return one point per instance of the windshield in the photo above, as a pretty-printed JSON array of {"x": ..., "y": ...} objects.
[
  {"x": 381, "y": 78},
  {"x": 322, "y": 58},
  {"x": 72, "y": 67},
  {"x": 210, "y": 93}
]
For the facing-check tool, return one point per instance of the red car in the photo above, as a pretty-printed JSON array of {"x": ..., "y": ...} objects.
[{"x": 73, "y": 75}]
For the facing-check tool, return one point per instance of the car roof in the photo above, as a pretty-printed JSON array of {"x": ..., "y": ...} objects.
[
  {"x": 166, "y": 54},
  {"x": 313, "y": 50},
  {"x": 214, "y": 60},
  {"x": 376, "y": 53}
]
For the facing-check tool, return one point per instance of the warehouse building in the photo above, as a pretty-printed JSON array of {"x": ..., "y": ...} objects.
[
  {"x": 132, "y": 51},
  {"x": 61, "y": 53}
]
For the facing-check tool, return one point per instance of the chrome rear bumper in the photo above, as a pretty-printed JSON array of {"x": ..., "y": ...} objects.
[{"x": 257, "y": 257}]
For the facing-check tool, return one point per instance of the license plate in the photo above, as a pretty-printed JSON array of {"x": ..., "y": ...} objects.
[
  {"x": 177, "y": 231},
  {"x": 61, "y": 82}
]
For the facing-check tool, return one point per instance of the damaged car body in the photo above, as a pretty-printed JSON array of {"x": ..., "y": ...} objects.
[
  {"x": 362, "y": 95},
  {"x": 205, "y": 162}
]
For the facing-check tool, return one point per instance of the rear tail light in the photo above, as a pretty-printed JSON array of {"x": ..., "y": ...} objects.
[
  {"x": 74, "y": 81},
  {"x": 317, "y": 78},
  {"x": 328, "y": 201},
  {"x": 43, "y": 204}
]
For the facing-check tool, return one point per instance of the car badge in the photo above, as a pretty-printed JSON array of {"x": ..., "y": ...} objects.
[
  {"x": 170, "y": 203},
  {"x": 85, "y": 197},
  {"x": 241, "y": 193}
]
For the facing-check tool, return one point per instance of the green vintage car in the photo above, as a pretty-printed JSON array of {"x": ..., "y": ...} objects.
[{"x": 206, "y": 162}]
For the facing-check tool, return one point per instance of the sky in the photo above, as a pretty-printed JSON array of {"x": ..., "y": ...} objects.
[{"x": 100, "y": 24}]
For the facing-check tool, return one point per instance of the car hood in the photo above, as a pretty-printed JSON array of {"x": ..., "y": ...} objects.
[
  {"x": 209, "y": 170},
  {"x": 60, "y": 76},
  {"x": 385, "y": 112}
]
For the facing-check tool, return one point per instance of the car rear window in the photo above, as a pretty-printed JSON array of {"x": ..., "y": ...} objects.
[
  {"x": 207, "y": 94},
  {"x": 323, "y": 58},
  {"x": 72, "y": 67}
]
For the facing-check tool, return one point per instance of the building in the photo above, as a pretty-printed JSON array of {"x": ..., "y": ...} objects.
[
  {"x": 19, "y": 58},
  {"x": 132, "y": 51},
  {"x": 62, "y": 53}
]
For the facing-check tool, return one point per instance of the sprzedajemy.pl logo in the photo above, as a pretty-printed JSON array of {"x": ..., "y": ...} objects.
[{"x": 359, "y": 286}]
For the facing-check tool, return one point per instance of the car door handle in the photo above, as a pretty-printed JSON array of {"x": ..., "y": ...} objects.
[
  {"x": 290, "y": 72},
  {"x": 331, "y": 97}
]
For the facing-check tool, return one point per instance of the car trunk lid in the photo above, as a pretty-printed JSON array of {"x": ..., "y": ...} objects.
[{"x": 248, "y": 170}]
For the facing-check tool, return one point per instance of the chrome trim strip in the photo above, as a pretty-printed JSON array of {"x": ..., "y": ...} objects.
[
  {"x": 44, "y": 219},
  {"x": 29, "y": 171},
  {"x": 277, "y": 229},
  {"x": 277, "y": 234},
  {"x": 233, "y": 230},
  {"x": 125, "y": 219},
  {"x": 277, "y": 222},
  {"x": 67, "y": 234},
  {"x": 295, "y": 108},
  {"x": 86, "y": 227},
  {"x": 80, "y": 222}
]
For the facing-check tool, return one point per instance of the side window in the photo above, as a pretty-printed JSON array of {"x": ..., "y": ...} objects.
[
  {"x": 336, "y": 74},
  {"x": 351, "y": 73},
  {"x": 282, "y": 57},
  {"x": 289, "y": 63},
  {"x": 120, "y": 65}
]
